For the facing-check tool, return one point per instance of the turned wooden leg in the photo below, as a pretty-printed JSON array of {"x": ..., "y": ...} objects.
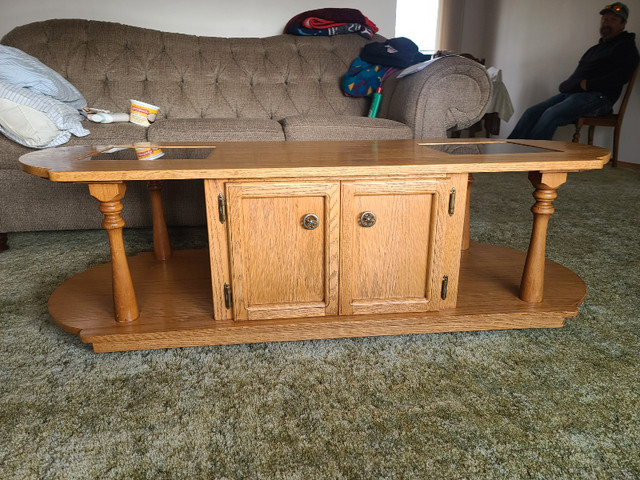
[
  {"x": 466, "y": 231},
  {"x": 161, "y": 244},
  {"x": 532, "y": 286},
  {"x": 124, "y": 296},
  {"x": 576, "y": 135}
]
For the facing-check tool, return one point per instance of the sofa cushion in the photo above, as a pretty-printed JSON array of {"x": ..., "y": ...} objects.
[
  {"x": 215, "y": 130},
  {"x": 336, "y": 127},
  {"x": 121, "y": 133}
]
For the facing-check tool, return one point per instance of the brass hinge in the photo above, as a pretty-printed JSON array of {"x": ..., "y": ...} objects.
[
  {"x": 445, "y": 287},
  {"x": 452, "y": 201},
  {"x": 222, "y": 209},
  {"x": 228, "y": 297}
]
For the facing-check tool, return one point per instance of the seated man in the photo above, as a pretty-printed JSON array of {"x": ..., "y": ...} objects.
[{"x": 594, "y": 86}]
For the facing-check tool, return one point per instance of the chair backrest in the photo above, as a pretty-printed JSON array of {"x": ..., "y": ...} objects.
[{"x": 627, "y": 94}]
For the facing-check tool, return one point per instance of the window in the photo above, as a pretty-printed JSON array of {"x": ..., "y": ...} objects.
[{"x": 418, "y": 21}]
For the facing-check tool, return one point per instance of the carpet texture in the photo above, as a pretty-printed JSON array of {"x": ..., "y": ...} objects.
[{"x": 527, "y": 404}]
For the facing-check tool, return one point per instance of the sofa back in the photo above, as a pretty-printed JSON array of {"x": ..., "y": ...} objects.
[{"x": 190, "y": 76}]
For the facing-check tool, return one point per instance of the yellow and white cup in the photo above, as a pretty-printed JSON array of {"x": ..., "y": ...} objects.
[
  {"x": 142, "y": 113},
  {"x": 145, "y": 151}
]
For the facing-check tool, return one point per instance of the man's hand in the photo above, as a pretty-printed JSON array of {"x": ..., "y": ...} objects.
[{"x": 583, "y": 85}]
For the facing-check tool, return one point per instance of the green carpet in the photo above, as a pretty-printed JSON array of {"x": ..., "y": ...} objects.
[{"x": 529, "y": 404}]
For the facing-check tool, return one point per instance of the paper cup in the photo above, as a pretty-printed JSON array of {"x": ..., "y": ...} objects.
[
  {"x": 147, "y": 152},
  {"x": 140, "y": 112}
]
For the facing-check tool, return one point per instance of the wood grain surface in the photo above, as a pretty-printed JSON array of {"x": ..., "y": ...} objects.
[
  {"x": 176, "y": 310},
  {"x": 232, "y": 160}
]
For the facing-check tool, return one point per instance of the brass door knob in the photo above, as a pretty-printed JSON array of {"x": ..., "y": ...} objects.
[
  {"x": 368, "y": 219},
  {"x": 310, "y": 221}
]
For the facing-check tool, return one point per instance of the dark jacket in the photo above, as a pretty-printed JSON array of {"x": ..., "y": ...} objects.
[
  {"x": 399, "y": 52},
  {"x": 606, "y": 67}
]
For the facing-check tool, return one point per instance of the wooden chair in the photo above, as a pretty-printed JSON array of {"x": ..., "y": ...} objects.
[{"x": 612, "y": 120}]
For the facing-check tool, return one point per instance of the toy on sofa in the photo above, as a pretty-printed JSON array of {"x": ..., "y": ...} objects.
[{"x": 108, "y": 117}]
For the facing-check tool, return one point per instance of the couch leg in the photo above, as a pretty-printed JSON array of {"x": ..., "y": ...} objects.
[{"x": 4, "y": 239}]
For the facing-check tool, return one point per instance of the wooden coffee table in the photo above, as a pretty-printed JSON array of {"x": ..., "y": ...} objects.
[{"x": 312, "y": 240}]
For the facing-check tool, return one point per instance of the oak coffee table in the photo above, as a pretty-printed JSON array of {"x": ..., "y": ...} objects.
[{"x": 311, "y": 240}]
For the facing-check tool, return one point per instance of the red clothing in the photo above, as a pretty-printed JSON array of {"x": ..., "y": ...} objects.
[{"x": 333, "y": 15}]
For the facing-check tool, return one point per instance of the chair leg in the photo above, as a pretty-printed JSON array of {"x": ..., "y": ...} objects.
[
  {"x": 4, "y": 242},
  {"x": 592, "y": 129},
  {"x": 616, "y": 140},
  {"x": 576, "y": 134}
]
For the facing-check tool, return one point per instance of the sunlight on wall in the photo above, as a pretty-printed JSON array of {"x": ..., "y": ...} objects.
[{"x": 418, "y": 21}]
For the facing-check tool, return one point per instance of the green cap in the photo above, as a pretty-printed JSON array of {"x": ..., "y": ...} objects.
[{"x": 617, "y": 8}]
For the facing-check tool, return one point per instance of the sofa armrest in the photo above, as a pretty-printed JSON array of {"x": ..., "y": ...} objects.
[{"x": 452, "y": 92}]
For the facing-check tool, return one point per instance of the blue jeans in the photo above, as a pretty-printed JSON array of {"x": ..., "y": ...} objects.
[{"x": 540, "y": 121}]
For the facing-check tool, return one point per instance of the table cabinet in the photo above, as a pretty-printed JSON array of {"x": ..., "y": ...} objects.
[
  {"x": 283, "y": 241},
  {"x": 350, "y": 247}
]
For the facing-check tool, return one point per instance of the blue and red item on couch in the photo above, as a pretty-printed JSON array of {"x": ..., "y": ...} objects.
[
  {"x": 363, "y": 78},
  {"x": 399, "y": 52}
]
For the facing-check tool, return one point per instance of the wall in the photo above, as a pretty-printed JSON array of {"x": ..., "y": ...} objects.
[
  {"x": 239, "y": 18},
  {"x": 473, "y": 37},
  {"x": 538, "y": 44}
]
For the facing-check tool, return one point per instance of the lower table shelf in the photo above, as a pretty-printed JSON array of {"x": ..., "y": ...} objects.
[{"x": 174, "y": 298}]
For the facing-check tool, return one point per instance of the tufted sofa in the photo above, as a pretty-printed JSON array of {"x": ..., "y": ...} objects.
[{"x": 212, "y": 89}]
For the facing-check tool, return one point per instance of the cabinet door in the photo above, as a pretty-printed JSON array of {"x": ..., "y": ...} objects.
[
  {"x": 395, "y": 264},
  {"x": 281, "y": 264}
]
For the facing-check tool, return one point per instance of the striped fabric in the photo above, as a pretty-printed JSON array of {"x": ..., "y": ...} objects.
[
  {"x": 67, "y": 119},
  {"x": 23, "y": 70}
]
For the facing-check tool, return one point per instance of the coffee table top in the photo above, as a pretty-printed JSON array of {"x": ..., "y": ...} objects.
[{"x": 229, "y": 160}]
